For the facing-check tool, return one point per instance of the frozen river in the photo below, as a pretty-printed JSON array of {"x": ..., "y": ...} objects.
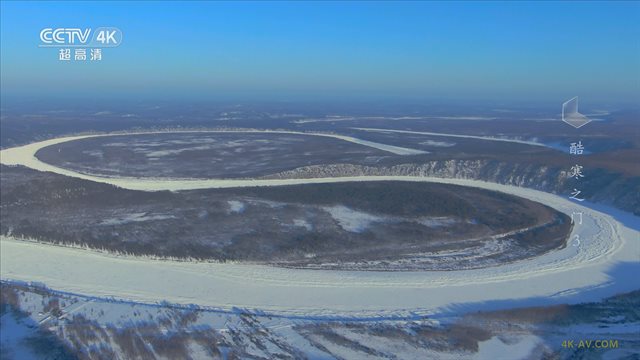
[{"x": 605, "y": 245}]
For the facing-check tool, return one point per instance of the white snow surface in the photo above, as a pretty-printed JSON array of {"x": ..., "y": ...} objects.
[
  {"x": 517, "y": 348},
  {"x": 352, "y": 220},
  {"x": 605, "y": 243},
  {"x": 135, "y": 217},
  {"x": 437, "y": 143},
  {"x": 236, "y": 206},
  {"x": 489, "y": 138}
]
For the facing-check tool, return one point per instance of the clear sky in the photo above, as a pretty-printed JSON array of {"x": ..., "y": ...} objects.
[{"x": 331, "y": 50}]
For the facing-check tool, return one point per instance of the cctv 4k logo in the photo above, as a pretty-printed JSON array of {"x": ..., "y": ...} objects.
[{"x": 86, "y": 43}]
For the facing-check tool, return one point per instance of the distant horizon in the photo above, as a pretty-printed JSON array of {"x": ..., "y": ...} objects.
[{"x": 92, "y": 102}]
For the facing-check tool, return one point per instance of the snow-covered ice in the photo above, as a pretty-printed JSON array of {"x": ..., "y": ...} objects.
[
  {"x": 605, "y": 244},
  {"x": 488, "y": 138}
]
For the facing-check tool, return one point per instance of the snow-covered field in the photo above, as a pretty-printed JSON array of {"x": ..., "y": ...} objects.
[
  {"x": 560, "y": 276},
  {"x": 352, "y": 220}
]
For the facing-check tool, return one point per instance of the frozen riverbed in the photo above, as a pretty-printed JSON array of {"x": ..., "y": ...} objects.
[{"x": 604, "y": 244}]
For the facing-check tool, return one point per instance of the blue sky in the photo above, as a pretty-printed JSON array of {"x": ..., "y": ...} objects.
[{"x": 331, "y": 50}]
